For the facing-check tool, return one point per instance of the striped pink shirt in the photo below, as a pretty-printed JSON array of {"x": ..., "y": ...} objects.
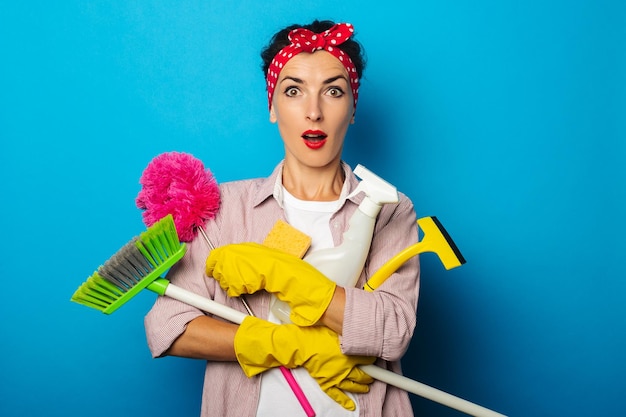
[{"x": 377, "y": 324}]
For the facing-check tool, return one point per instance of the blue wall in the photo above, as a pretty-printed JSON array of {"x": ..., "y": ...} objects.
[{"x": 506, "y": 120}]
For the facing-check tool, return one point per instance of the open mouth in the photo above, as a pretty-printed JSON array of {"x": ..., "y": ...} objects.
[{"x": 314, "y": 139}]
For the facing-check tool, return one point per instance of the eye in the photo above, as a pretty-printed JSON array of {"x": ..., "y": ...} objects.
[
  {"x": 335, "y": 92},
  {"x": 292, "y": 91}
]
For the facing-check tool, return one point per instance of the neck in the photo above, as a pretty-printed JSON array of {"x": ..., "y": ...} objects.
[{"x": 313, "y": 183}]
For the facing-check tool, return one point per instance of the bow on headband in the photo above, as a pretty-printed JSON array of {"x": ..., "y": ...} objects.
[{"x": 303, "y": 40}]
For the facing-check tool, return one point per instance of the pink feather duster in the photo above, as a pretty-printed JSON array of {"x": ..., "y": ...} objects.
[{"x": 177, "y": 183}]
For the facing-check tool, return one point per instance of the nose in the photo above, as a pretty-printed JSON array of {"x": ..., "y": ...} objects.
[{"x": 314, "y": 109}]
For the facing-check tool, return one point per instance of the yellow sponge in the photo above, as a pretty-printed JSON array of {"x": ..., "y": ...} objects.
[{"x": 287, "y": 238}]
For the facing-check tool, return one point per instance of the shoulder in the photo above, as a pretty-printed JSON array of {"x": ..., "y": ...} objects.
[
  {"x": 241, "y": 195},
  {"x": 254, "y": 189},
  {"x": 403, "y": 208},
  {"x": 231, "y": 188}
]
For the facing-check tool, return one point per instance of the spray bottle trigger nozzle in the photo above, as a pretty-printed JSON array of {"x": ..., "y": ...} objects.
[{"x": 377, "y": 191}]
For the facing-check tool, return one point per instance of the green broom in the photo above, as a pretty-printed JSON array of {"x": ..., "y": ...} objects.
[{"x": 138, "y": 265}]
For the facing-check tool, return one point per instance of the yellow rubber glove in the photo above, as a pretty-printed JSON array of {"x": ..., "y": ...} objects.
[
  {"x": 261, "y": 345},
  {"x": 245, "y": 268}
]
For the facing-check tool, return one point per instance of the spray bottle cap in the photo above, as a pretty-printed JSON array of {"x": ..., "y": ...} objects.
[{"x": 377, "y": 191}]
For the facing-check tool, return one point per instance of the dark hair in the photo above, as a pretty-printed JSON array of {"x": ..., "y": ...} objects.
[{"x": 280, "y": 40}]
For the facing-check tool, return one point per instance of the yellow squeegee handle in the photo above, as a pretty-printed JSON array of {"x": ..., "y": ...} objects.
[
  {"x": 392, "y": 266},
  {"x": 436, "y": 240}
]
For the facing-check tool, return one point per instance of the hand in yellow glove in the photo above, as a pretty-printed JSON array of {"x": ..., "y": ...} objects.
[
  {"x": 261, "y": 345},
  {"x": 245, "y": 268}
]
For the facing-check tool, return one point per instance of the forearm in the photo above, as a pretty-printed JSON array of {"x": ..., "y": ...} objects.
[
  {"x": 333, "y": 316},
  {"x": 206, "y": 338},
  {"x": 380, "y": 323}
]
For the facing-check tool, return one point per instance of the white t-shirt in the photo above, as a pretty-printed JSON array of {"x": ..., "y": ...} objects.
[{"x": 276, "y": 398}]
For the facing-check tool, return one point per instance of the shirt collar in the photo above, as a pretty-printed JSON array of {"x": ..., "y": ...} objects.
[{"x": 272, "y": 186}]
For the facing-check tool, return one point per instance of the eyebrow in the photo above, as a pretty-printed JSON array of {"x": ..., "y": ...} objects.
[{"x": 327, "y": 81}]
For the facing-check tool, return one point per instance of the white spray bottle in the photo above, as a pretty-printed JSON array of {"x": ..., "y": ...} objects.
[{"x": 344, "y": 263}]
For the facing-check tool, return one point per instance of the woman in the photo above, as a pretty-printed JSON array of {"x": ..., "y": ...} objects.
[{"x": 312, "y": 74}]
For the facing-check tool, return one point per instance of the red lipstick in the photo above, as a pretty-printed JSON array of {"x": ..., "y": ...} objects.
[{"x": 314, "y": 139}]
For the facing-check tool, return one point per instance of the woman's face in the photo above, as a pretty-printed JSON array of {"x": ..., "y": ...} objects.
[{"x": 313, "y": 107}]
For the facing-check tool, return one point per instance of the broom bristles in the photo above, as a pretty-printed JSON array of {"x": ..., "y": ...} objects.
[{"x": 132, "y": 268}]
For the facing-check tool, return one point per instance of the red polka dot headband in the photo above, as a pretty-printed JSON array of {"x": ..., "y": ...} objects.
[{"x": 303, "y": 40}]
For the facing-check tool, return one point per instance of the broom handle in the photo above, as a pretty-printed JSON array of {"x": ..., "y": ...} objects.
[
  {"x": 384, "y": 375},
  {"x": 428, "y": 392},
  {"x": 204, "y": 304}
]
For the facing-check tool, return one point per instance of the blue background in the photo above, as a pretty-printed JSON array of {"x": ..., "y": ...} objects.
[{"x": 506, "y": 120}]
